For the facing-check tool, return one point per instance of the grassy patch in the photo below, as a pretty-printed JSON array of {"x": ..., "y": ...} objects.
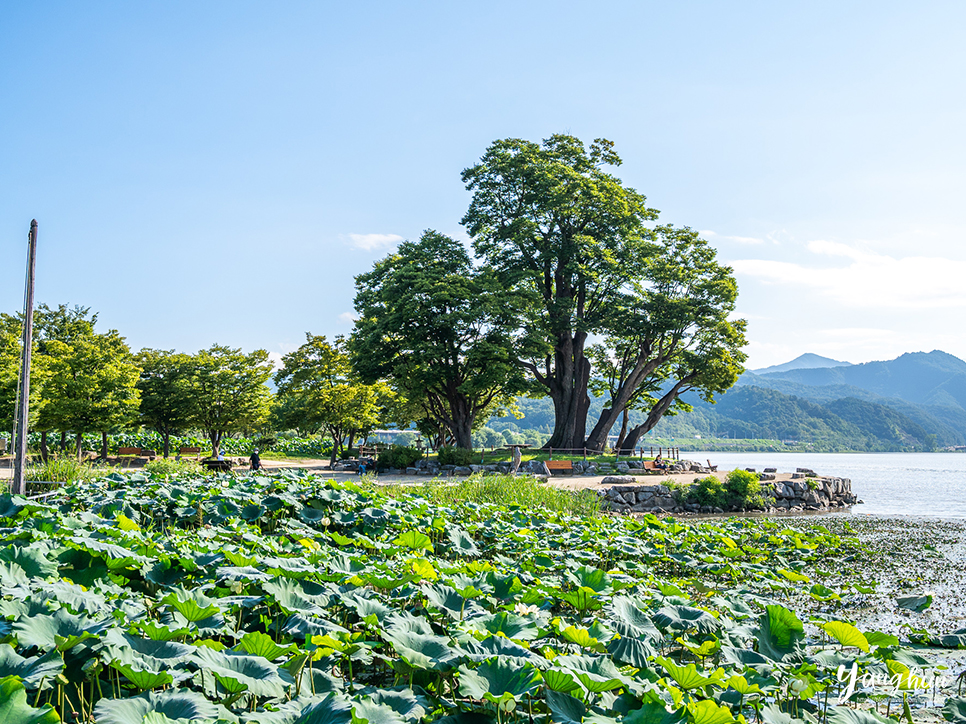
[{"x": 504, "y": 490}]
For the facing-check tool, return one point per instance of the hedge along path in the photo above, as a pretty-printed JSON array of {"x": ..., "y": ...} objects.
[{"x": 291, "y": 598}]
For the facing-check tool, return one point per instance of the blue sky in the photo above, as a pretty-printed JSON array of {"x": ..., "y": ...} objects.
[{"x": 220, "y": 171}]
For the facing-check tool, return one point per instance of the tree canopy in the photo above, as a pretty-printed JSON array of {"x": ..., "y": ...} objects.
[
  {"x": 440, "y": 330},
  {"x": 317, "y": 388},
  {"x": 576, "y": 242}
]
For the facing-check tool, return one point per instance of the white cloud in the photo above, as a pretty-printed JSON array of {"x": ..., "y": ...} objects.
[
  {"x": 276, "y": 359},
  {"x": 869, "y": 279},
  {"x": 738, "y": 239},
  {"x": 348, "y": 317},
  {"x": 374, "y": 242}
]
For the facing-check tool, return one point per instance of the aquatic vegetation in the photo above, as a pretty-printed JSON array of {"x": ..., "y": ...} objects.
[{"x": 289, "y": 598}]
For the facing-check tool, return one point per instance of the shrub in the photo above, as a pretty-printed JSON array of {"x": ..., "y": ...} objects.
[
  {"x": 399, "y": 456},
  {"x": 349, "y": 452},
  {"x": 265, "y": 442},
  {"x": 455, "y": 456},
  {"x": 743, "y": 490},
  {"x": 709, "y": 491}
]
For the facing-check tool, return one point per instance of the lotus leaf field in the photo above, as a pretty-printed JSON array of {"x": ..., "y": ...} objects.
[{"x": 292, "y": 599}]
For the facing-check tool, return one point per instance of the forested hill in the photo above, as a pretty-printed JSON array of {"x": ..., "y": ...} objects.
[{"x": 915, "y": 402}]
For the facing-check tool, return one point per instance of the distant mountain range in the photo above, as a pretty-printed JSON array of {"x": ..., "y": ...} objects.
[
  {"x": 914, "y": 402},
  {"x": 807, "y": 361}
]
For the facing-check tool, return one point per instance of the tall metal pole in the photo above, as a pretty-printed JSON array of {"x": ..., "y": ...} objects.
[{"x": 23, "y": 404}]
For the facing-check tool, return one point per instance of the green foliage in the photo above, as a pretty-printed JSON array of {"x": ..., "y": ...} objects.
[
  {"x": 288, "y": 597},
  {"x": 743, "y": 490},
  {"x": 709, "y": 491},
  {"x": 64, "y": 469},
  {"x": 455, "y": 456},
  {"x": 399, "y": 456},
  {"x": 167, "y": 400},
  {"x": 229, "y": 391},
  {"x": 439, "y": 329},
  {"x": 317, "y": 388}
]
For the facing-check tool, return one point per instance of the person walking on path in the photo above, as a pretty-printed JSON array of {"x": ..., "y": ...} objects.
[{"x": 255, "y": 460}]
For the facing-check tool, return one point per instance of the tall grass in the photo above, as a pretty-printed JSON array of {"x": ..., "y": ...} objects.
[
  {"x": 64, "y": 469},
  {"x": 170, "y": 466},
  {"x": 504, "y": 490}
]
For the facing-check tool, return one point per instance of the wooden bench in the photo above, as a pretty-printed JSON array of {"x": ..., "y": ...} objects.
[
  {"x": 223, "y": 466},
  {"x": 560, "y": 465},
  {"x": 650, "y": 467},
  {"x": 136, "y": 451},
  {"x": 182, "y": 451}
]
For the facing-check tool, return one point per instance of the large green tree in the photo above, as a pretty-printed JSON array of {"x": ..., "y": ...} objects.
[
  {"x": 570, "y": 236},
  {"x": 317, "y": 388},
  {"x": 167, "y": 402},
  {"x": 439, "y": 330},
  {"x": 579, "y": 244},
  {"x": 229, "y": 391}
]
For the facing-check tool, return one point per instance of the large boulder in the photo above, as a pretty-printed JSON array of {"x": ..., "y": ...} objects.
[{"x": 618, "y": 480}]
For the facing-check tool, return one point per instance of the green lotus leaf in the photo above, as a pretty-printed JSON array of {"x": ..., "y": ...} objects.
[
  {"x": 259, "y": 644},
  {"x": 238, "y": 672},
  {"x": 193, "y": 606},
  {"x": 845, "y": 715},
  {"x": 631, "y": 651},
  {"x": 915, "y": 603},
  {"x": 684, "y": 618},
  {"x": 142, "y": 679},
  {"x": 955, "y": 710},
  {"x": 509, "y": 624},
  {"x": 781, "y": 634},
  {"x": 15, "y": 709},
  {"x": 846, "y": 634},
  {"x": 593, "y": 578},
  {"x": 415, "y": 540},
  {"x": 33, "y": 561},
  {"x": 687, "y": 677},
  {"x": 582, "y": 599},
  {"x": 598, "y": 683},
  {"x": 60, "y": 630},
  {"x": 448, "y": 600},
  {"x": 709, "y": 712},
  {"x": 373, "y": 713},
  {"x": 172, "y": 704},
  {"x": 253, "y": 512},
  {"x": 877, "y": 638},
  {"x": 564, "y": 708},
  {"x": 499, "y": 680},
  {"x": 627, "y": 618},
  {"x": 462, "y": 542},
  {"x": 31, "y": 671},
  {"x": 402, "y": 701},
  {"x": 421, "y": 651},
  {"x": 560, "y": 680},
  {"x": 821, "y": 593},
  {"x": 158, "y": 632},
  {"x": 654, "y": 712}
]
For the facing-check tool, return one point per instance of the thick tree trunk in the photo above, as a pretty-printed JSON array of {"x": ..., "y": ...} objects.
[
  {"x": 568, "y": 390},
  {"x": 103, "y": 446},
  {"x": 214, "y": 437},
  {"x": 44, "y": 452},
  {"x": 166, "y": 437},
  {"x": 352, "y": 439},
  {"x": 63, "y": 441},
  {"x": 654, "y": 416},
  {"x": 80, "y": 445}
]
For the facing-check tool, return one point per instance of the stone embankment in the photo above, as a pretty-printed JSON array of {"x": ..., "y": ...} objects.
[{"x": 805, "y": 491}]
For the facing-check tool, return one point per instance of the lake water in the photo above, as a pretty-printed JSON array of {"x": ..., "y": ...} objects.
[{"x": 925, "y": 484}]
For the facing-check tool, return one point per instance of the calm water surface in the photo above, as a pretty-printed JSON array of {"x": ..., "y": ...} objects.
[{"x": 926, "y": 484}]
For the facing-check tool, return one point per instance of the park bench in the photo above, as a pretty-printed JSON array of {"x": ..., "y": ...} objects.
[
  {"x": 650, "y": 467},
  {"x": 182, "y": 451},
  {"x": 136, "y": 451},
  {"x": 560, "y": 465}
]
